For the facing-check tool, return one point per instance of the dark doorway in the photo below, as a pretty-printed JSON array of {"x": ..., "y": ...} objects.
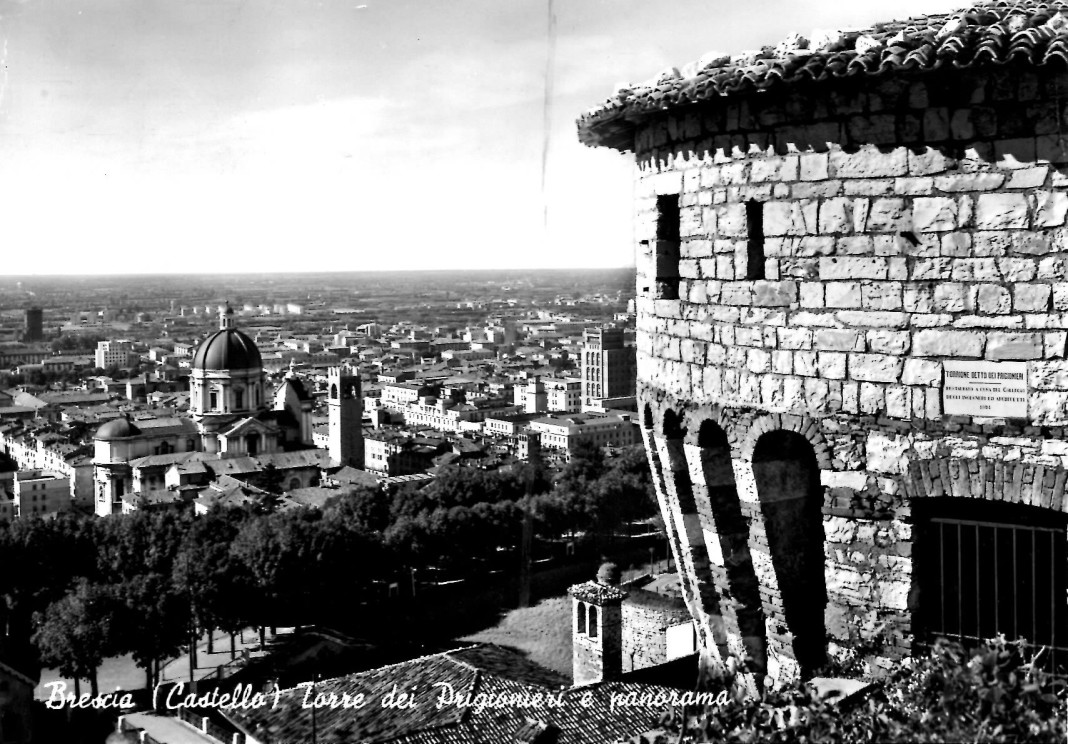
[
  {"x": 791, "y": 502},
  {"x": 732, "y": 527}
]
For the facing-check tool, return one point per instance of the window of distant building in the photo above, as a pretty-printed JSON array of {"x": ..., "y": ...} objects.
[
  {"x": 580, "y": 617},
  {"x": 213, "y": 400},
  {"x": 593, "y": 622},
  {"x": 239, "y": 398}
]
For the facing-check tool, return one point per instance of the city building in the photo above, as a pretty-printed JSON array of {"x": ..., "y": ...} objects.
[
  {"x": 392, "y": 453},
  {"x": 608, "y": 366},
  {"x": 38, "y": 493},
  {"x": 34, "y": 328},
  {"x": 230, "y": 418},
  {"x": 851, "y": 334},
  {"x": 345, "y": 402},
  {"x": 544, "y": 394},
  {"x": 119, "y": 353},
  {"x": 563, "y": 433}
]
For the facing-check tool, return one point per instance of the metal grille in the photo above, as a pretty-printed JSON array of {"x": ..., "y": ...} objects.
[{"x": 979, "y": 579}]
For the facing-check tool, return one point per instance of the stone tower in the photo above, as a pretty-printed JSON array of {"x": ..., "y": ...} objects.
[
  {"x": 852, "y": 364},
  {"x": 345, "y": 401},
  {"x": 597, "y": 628}
]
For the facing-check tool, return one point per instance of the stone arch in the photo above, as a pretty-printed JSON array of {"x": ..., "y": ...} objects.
[
  {"x": 802, "y": 425},
  {"x": 694, "y": 565},
  {"x": 735, "y": 576},
  {"x": 786, "y": 473}
]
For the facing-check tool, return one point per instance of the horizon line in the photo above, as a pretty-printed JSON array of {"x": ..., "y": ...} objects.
[{"x": 85, "y": 275}]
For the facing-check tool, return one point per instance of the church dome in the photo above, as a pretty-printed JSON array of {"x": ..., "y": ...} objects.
[
  {"x": 120, "y": 428},
  {"x": 227, "y": 349}
]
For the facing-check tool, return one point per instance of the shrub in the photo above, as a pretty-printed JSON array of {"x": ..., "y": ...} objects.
[{"x": 993, "y": 693}]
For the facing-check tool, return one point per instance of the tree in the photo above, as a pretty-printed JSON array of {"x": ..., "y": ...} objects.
[
  {"x": 76, "y": 633},
  {"x": 207, "y": 573},
  {"x": 136, "y": 553},
  {"x": 154, "y": 621},
  {"x": 363, "y": 506}
]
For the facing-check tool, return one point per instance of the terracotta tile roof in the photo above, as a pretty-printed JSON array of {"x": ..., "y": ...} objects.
[
  {"x": 598, "y": 594},
  {"x": 488, "y": 673},
  {"x": 985, "y": 34}
]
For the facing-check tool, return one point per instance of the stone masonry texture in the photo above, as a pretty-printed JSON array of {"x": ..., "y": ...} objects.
[{"x": 907, "y": 220}]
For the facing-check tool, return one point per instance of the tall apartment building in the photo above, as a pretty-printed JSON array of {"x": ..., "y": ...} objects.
[
  {"x": 609, "y": 368},
  {"x": 34, "y": 330},
  {"x": 115, "y": 352}
]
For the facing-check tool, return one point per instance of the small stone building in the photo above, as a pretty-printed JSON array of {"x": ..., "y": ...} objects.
[
  {"x": 852, "y": 324},
  {"x": 621, "y": 628}
]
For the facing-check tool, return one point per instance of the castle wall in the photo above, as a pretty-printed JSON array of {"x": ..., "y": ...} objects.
[{"x": 906, "y": 225}]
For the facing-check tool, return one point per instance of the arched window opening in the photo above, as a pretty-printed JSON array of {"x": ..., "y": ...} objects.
[
  {"x": 333, "y": 392},
  {"x": 593, "y": 622},
  {"x": 580, "y": 618},
  {"x": 294, "y": 483}
]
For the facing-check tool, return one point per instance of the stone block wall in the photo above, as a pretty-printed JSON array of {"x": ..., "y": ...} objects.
[
  {"x": 903, "y": 223},
  {"x": 644, "y": 637}
]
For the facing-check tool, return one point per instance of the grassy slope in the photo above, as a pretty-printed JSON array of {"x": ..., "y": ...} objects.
[{"x": 543, "y": 632}]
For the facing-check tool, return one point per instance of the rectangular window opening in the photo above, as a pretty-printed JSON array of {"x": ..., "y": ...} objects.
[
  {"x": 668, "y": 222},
  {"x": 754, "y": 218}
]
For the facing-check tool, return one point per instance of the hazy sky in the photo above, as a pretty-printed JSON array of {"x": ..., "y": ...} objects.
[{"x": 221, "y": 135}]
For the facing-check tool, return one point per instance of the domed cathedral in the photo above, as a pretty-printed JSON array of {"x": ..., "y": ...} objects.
[
  {"x": 232, "y": 416},
  {"x": 227, "y": 393}
]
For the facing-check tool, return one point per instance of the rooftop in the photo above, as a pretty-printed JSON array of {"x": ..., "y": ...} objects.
[
  {"x": 983, "y": 35},
  {"x": 490, "y": 672}
]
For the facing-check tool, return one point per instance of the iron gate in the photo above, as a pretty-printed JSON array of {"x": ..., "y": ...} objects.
[{"x": 985, "y": 576}]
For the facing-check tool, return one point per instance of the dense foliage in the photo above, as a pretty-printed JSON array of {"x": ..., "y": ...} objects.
[
  {"x": 146, "y": 583},
  {"x": 993, "y": 693}
]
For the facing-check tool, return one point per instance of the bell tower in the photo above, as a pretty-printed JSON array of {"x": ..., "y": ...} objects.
[{"x": 345, "y": 402}]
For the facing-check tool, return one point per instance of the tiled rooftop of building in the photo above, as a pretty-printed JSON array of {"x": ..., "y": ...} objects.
[
  {"x": 488, "y": 671},
  {"x": 984, "y": 34}
]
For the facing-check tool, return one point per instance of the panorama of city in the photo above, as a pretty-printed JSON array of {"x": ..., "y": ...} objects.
[{"x": 797, "y": 470}]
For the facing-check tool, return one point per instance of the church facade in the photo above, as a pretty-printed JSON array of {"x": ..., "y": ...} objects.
[
  {"x": 852, "y": 289},
  {"x": 232, "y": 415}
]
